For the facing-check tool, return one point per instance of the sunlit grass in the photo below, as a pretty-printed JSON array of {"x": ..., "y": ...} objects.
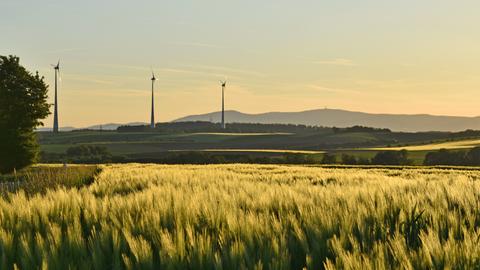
[
  {"x": 239, "y": 134},
  {"x": 248, "y": 217},
  {"x": 254, "y": 151},
  {"x": 464, "y": 144},
  {"x": 40, "y": 178}
]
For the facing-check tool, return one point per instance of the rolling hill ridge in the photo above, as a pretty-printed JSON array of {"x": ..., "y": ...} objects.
[{"x": 344, "y": 118}]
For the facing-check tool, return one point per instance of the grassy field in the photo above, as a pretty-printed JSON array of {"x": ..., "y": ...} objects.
[
  {"x": 39, "y": 179},
  {"x": 417, "y": 157},
  {"x": 153, "y": 146},
  {"x": 248, "y": 217},
  {"x": 461, "y": 144},
  {"x": 257, "y": 151}
]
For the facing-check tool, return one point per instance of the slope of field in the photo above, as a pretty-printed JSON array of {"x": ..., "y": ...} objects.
[
  {"x": 248, "y": 217},
  {"x": 257, "y": 151},
  {"x": 462, "y": 144},
  {"x": 156, "y": 144}
]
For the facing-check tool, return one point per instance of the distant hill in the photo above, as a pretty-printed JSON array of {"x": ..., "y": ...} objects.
[{"x": 343, "y": 118}]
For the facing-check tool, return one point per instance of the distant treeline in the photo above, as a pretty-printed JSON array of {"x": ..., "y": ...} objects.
[
  {"x": 446, "y": 157},
  {"x": 82, "y": 154},
  {"x": 202, "y": 126},
  {"x": 91, "y": 154},
  {"x": 442, "y": 157},
  {"x": 360, "y": 129}
]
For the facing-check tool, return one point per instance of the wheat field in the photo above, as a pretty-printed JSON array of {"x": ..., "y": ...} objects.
[
  {"x": 451, "y": 145},
  {"x": 248, "y": 217}
]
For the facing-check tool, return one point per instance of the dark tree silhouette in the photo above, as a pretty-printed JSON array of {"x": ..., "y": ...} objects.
[
  {"x": 391, "y": 158},
  {"x": 445, "y": 157},
  {"x": 23, "y": 103},
  {"x": 329, "y": 159},
  {"x": 473, "y": 157}
]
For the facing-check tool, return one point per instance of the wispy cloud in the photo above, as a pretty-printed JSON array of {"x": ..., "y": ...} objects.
[
  {"x": 195, "y": 72},
  {"x": 227, "y": 70},
  {"x": 409, "y": 84},
  {"x": 330, "y": 89},
  {"x": 118, "y": 66},
  {"x": 191, "y": 70},
  {"x": 112, "y": 93},
  {"x": 196, "y": 44},
  {"x": 65, "y": 50},
  {"x": 88, "y": 79},
  {"x": 337, "y": 62}
]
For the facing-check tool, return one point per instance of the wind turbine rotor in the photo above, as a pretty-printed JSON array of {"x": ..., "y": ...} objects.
[
  {"x": 153, "y": 75},
  {"x": 57, "y": 68}
]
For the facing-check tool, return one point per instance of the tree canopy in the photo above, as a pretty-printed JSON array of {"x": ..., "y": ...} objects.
[{"x": 23, "y": 104}]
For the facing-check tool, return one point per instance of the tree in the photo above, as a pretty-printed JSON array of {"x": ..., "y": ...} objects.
[
  {"x": 329, "y": 159},
  {"x": 23, "y": 103},
  {"x": 445, "y": 157},
  {"x": 391, "y": 158},
  {"x": 473, "y": 156},
  {"x": 349, "y": 159}
]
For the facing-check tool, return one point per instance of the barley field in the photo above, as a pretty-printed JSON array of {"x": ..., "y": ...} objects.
[
  {"x": 248, "y": 217},
  {"x": 451, "y": 145}
]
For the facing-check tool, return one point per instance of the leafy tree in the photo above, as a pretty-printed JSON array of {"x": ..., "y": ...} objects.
[
  {"x": 349, "y": 159},
  {"x": 363, "y": 161},
  {"x": 391, "y": 158},
  {"x": 473, "y": 156},
  {"x": 23, "y": 103},
  {"x": 87, "y": 150},
  {"x": 329, "y": 159},
  {"x": 445, "y": 157}
]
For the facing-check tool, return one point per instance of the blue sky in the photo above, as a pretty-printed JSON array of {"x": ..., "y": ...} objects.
[{"x": 373, "y": 56}]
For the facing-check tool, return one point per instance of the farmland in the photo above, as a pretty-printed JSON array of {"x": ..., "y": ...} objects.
[
  {"x": 154, "y": 146},
  {"x": 452, "y": 145},
  {"x": 248, "y": 217}
]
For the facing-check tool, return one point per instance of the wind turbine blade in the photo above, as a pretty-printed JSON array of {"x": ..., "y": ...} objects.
[
  {"x": 59, "y": 76},
  {"x": 153, "y": 73}
]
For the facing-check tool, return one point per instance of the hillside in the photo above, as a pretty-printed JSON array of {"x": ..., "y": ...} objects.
[
  {"x": 343, "y": 118},
  {"x": 241, "y": 140}
]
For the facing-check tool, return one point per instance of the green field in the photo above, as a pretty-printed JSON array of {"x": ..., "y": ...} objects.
[
  {"x": 256, "y": 151},
  {"x": 248, "y": 217},
  {"x": 451, "y": 145},
  {"x": 39, "y": 179},
  {"x": 153, "y": 146},
  {"x": 144, "y": 142}
]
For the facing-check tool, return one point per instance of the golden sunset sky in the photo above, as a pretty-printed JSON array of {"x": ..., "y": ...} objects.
[{"x": 377, "y": 56}]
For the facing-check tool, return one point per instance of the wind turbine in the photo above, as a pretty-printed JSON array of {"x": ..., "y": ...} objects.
[
  {"x": 152, "y": 118},
  {"x": 55, "y": 112},
  {"x": 223, "y": 83}
]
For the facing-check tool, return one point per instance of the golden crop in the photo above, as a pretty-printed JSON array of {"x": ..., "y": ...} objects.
[
  {"x": 462, "y": 144},
  {"x": 248, "y": 217}
]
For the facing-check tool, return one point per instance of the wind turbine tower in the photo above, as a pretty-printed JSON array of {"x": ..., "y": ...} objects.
[
  {"x": 55, "y": 112},
  {"x": 152, "y": 118},
  {"x": 224, "y": 83}
]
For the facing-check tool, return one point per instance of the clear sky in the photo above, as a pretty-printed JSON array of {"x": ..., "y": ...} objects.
[{"x": 382, "y": 56}]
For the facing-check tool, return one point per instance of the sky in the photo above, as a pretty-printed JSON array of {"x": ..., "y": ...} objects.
[{"x": 377, "y": 56}]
